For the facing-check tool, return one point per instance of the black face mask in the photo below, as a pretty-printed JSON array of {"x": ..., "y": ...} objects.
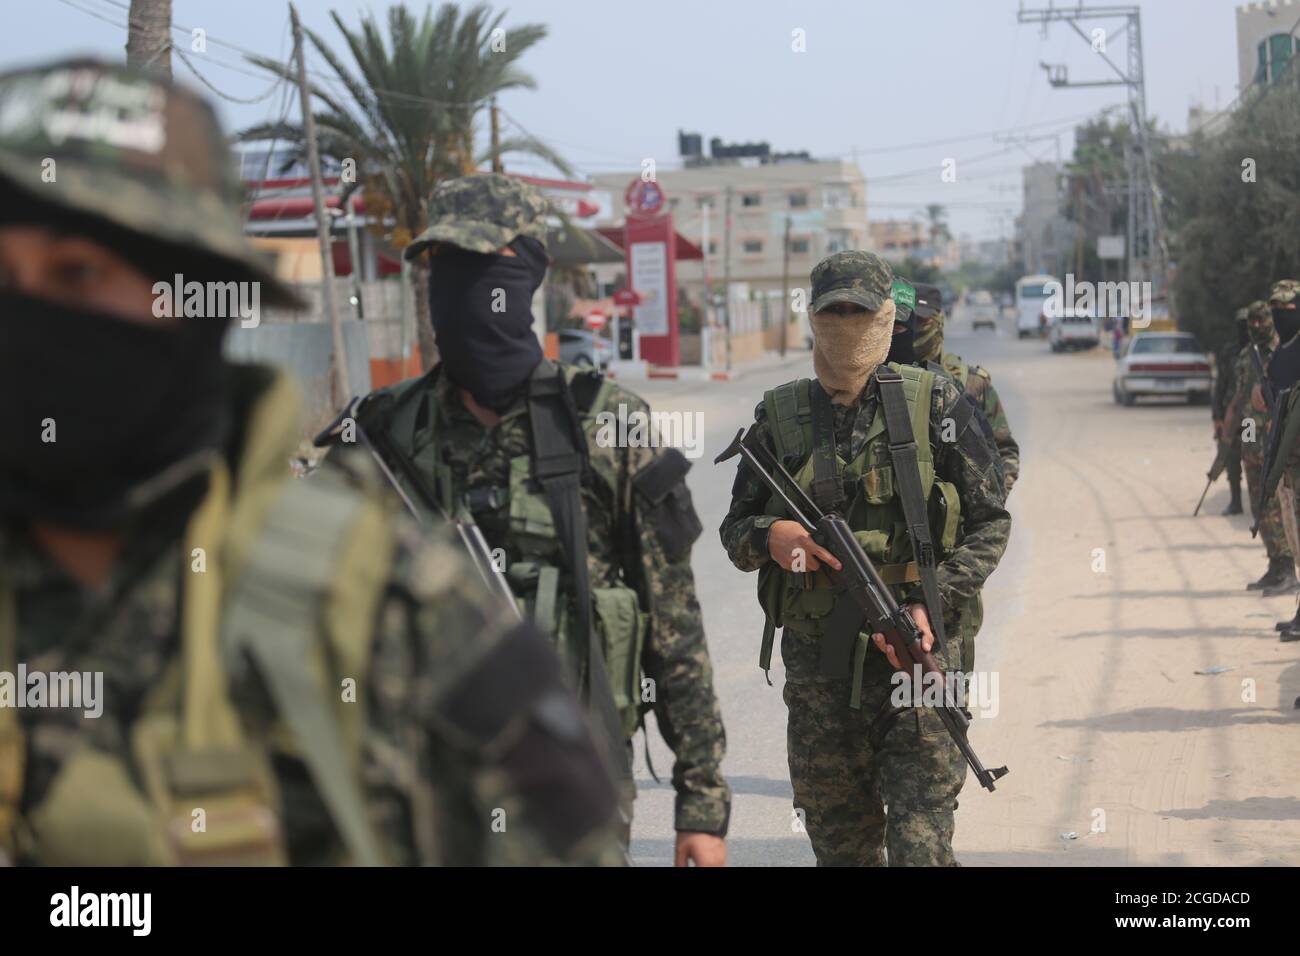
[
  {"x": 1287, "y": 323},
  {"x": 101, "y": 417},
  {"x": 902, "y": 348},
  {"x": 481, "y": 308}
]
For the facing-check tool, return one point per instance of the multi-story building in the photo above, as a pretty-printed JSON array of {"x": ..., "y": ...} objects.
[
  {"x": 897, "y": 239},
  {"x": 1045, "y": 233},
  {"x": 822, "y": 204},
  {"x": 1267, "y": 40}
]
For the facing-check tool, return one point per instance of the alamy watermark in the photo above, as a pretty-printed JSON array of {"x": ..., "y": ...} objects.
[
  {"x": 1116, "y": 300},
  {"x": 974, "y": 691},
  {"x": 71, "y": 690},
  {"x": 640, "y": 429},
  {"x": 208, "y": 300}
]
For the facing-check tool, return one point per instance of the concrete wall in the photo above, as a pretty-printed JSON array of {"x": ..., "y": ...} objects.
[{"x": 304, "y": 349}]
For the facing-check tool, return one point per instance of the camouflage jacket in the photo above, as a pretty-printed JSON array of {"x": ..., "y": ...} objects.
[
  {"x": 622, "y": 543},
  {"x": 1225, "y": 378},
  {"x": 458, "y": 766},
  {"x": 986, "y": 524},
  {"x": 976, "y": 380},
  {"x": 1240, "y": 410}
]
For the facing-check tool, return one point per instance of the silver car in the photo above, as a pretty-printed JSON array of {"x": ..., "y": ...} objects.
[
  {"x": 583, "y": 348},
  {"x": 1163, "y": 363}
]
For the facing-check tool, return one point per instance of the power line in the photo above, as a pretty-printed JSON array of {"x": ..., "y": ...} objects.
[{"x": 380, "y": 92}]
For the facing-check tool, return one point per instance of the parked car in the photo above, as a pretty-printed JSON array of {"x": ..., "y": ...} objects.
[
  {"x": 1073, "y": 329},
  {"x": 1163, "y": 363},
  {"x": 581, "y": 347}
]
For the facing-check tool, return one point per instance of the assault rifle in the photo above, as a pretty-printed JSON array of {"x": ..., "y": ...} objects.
[
  {"x": 470, "y": 534},
  {"x": 1211, "y": 476},
  {"x": 861, "y": 582}
]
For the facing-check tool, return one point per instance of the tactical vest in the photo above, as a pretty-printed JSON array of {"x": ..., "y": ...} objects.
[
  {"x": 866, "y": 491},
  {"x": 410, "y": 415},
  {"x": 292, "y": 572}
]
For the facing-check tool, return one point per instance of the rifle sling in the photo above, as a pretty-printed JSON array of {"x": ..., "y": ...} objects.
[
  {"x": 907, "y": 478},
  {"x": 559, "y": 459}
]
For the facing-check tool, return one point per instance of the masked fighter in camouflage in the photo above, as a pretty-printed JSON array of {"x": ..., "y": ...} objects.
[
  {"x": 1250, "y": 417},
  {"x": 291, "y": 672},
  {"x": 1284, "y": 374},
  {"x": 853, "y": 752},
  {"x": 591, "y": 522},
  {"x": 1227, "y": 435},
  {"x": 973, "y": 379}
]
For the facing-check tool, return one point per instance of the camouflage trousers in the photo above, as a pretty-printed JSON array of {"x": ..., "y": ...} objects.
[
  {"x": 1271, "y": 529},
  {"x": 874, "y": 779}
]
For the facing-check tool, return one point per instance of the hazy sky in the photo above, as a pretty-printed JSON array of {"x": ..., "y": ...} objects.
[{"x": 878, "y": 79}]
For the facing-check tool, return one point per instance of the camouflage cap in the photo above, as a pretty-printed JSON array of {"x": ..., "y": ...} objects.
[
  {"x": 929, "y": 299},
  {"x": 861, "y": 278},
  {"x": 133, "y": 150},
  {"x": 481, "y": 213},
  {"x": 1258, "y": 315},
  {"x": 1284, "y": 290}
]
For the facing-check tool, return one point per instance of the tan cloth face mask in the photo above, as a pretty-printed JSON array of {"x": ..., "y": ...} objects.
[{"x": 848, "y": 348}]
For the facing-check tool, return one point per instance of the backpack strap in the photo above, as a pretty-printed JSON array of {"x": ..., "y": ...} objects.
[
  {"x": 902, "y": 426},
  {"x": 276, "y": 610},
  {"x": 559, "y": 460},
  {"x": 827, "y": 487},
  {"x": 789, "y": 416}
]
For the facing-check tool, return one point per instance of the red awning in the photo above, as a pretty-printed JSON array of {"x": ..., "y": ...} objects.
[
  {"x": 684, "y": 249},
  {"x": 297, "y": 207}
]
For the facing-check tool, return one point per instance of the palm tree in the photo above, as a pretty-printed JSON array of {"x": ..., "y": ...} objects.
[{"x": 408, "y": 112}]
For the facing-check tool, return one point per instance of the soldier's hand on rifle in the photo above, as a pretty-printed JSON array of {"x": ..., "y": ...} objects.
[
  {"x": 1257, "y": 399},
  {"x": 1218, "y": 429},
  {"x": 922, "y": 618},
  {"x": 792, "y": 547}
]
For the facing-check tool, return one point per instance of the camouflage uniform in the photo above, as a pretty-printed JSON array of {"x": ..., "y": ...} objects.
[
  {"x": 928, "y": 343},
  {"x": 1242, "y": 420},
  {"x": 625, "y": 540},
  {"x": 1225, "y": 386},
  {"x": 847, "y": 766},
  {"x": 453, "y": 757}
]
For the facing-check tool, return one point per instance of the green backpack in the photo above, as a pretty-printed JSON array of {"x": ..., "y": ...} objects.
[{"x": 866, "y": 490}]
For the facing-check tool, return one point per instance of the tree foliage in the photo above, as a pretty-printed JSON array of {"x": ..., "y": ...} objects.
[{"x": 1234, "y": 200}]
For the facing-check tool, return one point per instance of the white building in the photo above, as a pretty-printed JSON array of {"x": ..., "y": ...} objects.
[
  {"x": 1266, "y": 40},
  {"x": 824, "y": 203}
]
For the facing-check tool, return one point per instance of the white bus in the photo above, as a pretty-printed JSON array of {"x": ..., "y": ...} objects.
[{"x": 1031, "y": 294}]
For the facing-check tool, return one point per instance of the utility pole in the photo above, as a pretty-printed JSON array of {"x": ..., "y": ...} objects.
[
  {"x": 785, "y": 286},
  {"x": 726, "y": 270},
  {"x": 497, "y": 166},
  {"x": 149, "y": 36},
  {"x": 341, "y": 389},
  {"x": 1147, "y": 246}
]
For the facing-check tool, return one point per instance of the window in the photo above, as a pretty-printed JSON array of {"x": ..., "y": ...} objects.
[
  {"x": 838, "y": 240},
  {"x": 838, "y": 197},
  {"x": 798, "y": 200},
  {"x": 713, "y": 247},
  {"x": 751, "y": 200},
  {"x": 799, "y": 247},
  {"x": 1166, "y": 345},
  {"x": 1275, "y": 55},
  {"x": 753, "y": 246}
]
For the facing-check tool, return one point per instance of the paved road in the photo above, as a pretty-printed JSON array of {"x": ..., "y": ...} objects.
[{"x": 1109, "y": 732}]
